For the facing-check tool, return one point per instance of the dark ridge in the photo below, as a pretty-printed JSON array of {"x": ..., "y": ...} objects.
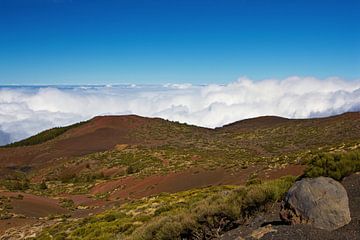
[
  {"x": 264, "y": 121},
  {"x": 43, "y": 136},
  {"x": 270, "y": 121}
]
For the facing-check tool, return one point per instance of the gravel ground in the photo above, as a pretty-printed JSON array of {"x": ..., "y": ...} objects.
[{"x": 259, "y": 228}]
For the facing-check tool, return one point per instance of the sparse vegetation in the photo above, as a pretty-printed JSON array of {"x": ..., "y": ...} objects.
[
  {"x": 67, "y": 203},
  {"x": 16, "y": 182},
  {"x": 196, "y": 213},
  {"x": 5, "y": 206}
]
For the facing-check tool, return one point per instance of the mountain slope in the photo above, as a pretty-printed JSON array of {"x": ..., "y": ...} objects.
[
  {"x": 265, "y": 136},
  {"x": 112, "y": 160}
]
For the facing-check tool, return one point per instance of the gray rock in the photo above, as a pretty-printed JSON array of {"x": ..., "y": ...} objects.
[{"x": 321, "y": 202}]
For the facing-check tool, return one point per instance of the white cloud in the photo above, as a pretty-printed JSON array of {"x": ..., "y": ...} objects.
[{"x": 25, "y": 111}]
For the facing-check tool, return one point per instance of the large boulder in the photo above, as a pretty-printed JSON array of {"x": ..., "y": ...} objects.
[{"x": 321, "y": 202}]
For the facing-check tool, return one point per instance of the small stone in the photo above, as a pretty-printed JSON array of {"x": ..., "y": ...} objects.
[{"x": 260, "y": 232}]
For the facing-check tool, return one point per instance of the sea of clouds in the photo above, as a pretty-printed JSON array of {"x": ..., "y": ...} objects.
[{"x": 25, "y": 111}]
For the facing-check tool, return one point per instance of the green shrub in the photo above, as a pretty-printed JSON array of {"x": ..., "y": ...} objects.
[
  {"x": 16, "y": 184},
  {"x": 253, "y": 179},
  {"x": 42, "y": 185},
  {"x": 44, "y": 136},
  {"x": 130, "y": 170},
  {"x": 334, "y": 165},
  {"x": 67, "y": 203}
]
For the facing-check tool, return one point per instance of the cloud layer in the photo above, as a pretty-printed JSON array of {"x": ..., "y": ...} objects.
[{"x": 25, "y": 111}]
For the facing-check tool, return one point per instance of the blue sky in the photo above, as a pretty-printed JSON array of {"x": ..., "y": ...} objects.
[{"x": 168, "y": 41}]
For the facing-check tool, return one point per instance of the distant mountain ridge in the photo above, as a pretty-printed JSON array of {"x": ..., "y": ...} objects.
[
  {"x": 252, "y": 123},
  {"x": 105, "y": 132}
]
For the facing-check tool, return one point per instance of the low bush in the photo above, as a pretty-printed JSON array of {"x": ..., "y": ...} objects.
[
  {"x": 67, "y": 203},
  {"x": 334, "y": 165},
  {"x": 16, "y": 184}
]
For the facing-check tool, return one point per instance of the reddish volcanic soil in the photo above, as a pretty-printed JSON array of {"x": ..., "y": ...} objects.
[
  {"x": 99, "y": 134},
  {"x": 294, "y": 170},
  {"x": 84, "y": 200},
  {"x": 131, "y": 187},
  {"x": 34, "y": 206}
]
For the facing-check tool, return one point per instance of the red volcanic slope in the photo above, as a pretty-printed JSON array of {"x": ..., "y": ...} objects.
[{"x": 99, "y": 134}]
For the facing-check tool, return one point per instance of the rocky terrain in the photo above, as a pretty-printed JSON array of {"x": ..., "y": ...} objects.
[{"x": 268, "y": 225}]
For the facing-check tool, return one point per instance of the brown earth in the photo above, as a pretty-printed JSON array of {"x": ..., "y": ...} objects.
[
  {"x": 32, "y": 209},
  {"x": 33, "y": 206},
  {"x": 131, "y": 187},
  {"x": 99, "y": 134}
]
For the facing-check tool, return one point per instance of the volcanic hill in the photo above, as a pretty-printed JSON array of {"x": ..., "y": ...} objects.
[{"x": 94, "y": 166}]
